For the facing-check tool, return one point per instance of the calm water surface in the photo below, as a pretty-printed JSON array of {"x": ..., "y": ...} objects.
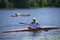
[{"x": 45, "y": 16}]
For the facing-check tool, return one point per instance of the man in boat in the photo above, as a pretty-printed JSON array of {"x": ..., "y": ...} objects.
[{"x": 34, "y": 24}]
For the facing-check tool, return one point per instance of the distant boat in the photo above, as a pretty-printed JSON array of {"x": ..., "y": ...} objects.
[{"x": 16, "y": 15}]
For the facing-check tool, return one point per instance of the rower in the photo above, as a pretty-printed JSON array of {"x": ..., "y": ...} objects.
[{"x": 34, "y": 24}]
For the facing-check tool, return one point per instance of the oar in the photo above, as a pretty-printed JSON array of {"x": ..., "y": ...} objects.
[{"x": 24, "y": 23}]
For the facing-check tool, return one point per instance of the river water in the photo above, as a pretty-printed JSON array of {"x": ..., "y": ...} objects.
[{"x": 45, "y": 16}]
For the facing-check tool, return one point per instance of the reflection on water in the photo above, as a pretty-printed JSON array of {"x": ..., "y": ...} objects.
[
  {"x": 27, "y": 36},
  {"x": 50, "y": 35},
  {"x": 46, "y": 17}
]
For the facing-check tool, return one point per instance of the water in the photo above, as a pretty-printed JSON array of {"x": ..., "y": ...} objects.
[{"x": 45, "y": 16}]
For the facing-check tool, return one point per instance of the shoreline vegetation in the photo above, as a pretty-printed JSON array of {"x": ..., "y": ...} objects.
[{"x": 27, "y": 4}]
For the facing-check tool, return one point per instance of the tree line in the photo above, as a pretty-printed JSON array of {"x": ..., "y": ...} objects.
[{"x": 29, "y": 3}]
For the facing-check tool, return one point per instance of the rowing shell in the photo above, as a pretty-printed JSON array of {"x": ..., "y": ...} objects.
[
  {"x": 33, "y": 29},
  {"x": 16, "y": 15}
]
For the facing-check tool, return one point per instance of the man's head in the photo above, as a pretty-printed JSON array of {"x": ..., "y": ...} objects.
[{"x": 34, "y": 19}]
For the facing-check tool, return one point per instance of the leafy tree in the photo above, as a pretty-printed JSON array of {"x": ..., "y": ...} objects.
[
  {"x": 2, "y": 4},
  {"x": 57, "y": 4},
  {"x": 28, "y": 3}
]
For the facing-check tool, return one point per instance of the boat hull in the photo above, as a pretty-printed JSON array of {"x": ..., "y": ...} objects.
[{"x": 32, "y": 29}]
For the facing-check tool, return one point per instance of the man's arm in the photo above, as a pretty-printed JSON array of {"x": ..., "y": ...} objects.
[{"x": 38, "y": 24}]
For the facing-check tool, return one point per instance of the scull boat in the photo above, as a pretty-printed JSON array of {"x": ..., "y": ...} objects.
[
  {"x": 33, "y": 29},
  {"x": 16, "y": 15}
]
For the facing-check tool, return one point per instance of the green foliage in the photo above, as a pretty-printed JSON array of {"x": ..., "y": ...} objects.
[
  {"x": 29, "y": 3},
  {"x": 2, "y": 4},
  {"x": 9, "y": 5}
]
